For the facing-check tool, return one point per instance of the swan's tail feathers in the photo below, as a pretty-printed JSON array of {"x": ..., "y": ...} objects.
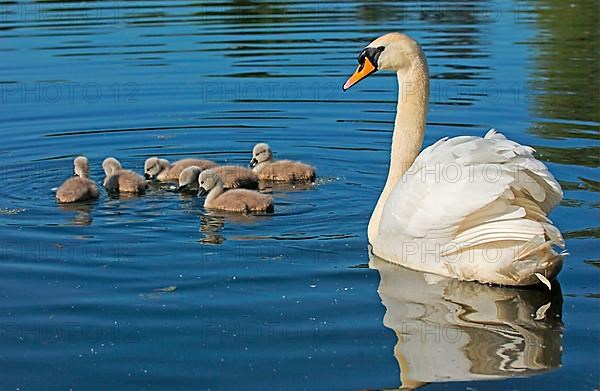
[
  {"x": 544, "y": 280},
  {"x": 554, "y": 235},
  {"x": 503, "y": 240},
  {"x": 539, "y": 263}
]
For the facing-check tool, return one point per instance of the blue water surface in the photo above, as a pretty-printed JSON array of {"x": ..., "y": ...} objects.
[{"x": 154, "y": 292}]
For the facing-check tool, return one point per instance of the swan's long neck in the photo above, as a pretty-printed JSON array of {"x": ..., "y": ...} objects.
[
  {"x": 409, "y": 129},
  {"x": 262, "y": 165},
  {"x": 213, "y": 194},
  {"x": 164, "y": 166},
  {"x": 82, "y": 172}
]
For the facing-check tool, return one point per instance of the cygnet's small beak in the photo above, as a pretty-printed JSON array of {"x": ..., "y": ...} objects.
[
  {"x": 253, "y": 163},
  {"x": 202, "y": 192},
  {"x": 147, "y": 176},
  {"x": 182, "y": 187},
  {"x": 361, "y": 72}
]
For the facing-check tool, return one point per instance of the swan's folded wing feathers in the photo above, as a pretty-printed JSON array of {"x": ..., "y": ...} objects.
[
  {"x": 507, "y": 230},
  {"x": 509, "y": 207},
  {"x": 538, "y": 172},
  {"x": 423, "y": 205}
]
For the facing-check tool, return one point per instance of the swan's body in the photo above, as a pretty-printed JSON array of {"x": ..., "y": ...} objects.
[
  {"x": 232, "y": 176},
  {"x": 119, "y": 180},
  {"x": 279, "y": 170},
  {"x": 235, "y": 177},
  {"x": 163, "y": 170},
  {"x": 79, "y": 187},
  {"x": 468, "y": 207},
  {"x": 235, "y": 200}
]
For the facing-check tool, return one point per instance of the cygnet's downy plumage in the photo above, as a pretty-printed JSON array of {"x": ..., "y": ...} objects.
[
  {"x": 266, "y": 168},
  {"x": 232, "y": 176},
  {"x": 163, "y": 170},
  {"x": 79, "y": 187},
  {"x": 119, "y": 180},
  {"x": 235, "y": 200}
]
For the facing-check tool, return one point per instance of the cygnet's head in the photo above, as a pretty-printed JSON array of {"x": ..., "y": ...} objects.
[
  {"x": 208, "y": 180},
  {"x": 153, "y": 166},
  {"x": 81, "y": 167},
  {"x": 111, "y": 166},
  {"x": 391, "y": 52},
  {"x": 261, "y": 153},
  {"x": 189, "y": 177}
]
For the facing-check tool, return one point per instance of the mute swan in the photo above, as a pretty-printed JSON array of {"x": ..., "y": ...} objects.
[
  {"x": 281, "y": 170},
  {"x": 232, "y": 177},
  {"x": 119, "y": 180},
  {"x": 236, "y": 200},
  {"x": 162, "y": 170},
  {"x": 468, "y": 207},
  {"x": 80, "y": 187}
]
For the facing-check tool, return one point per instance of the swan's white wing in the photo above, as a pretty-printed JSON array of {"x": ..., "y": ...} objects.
[{"x": 466, "y": 192}]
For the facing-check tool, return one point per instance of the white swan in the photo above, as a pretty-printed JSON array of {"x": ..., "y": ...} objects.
[{"x": 468, "y": 207}]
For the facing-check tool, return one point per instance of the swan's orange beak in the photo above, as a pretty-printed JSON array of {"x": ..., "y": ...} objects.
[{"x": 362, "y": 71}]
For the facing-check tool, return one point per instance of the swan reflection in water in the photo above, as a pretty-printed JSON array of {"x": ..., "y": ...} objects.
[
  {"x": 212, "y": 223},
  {"x": 211, "y": 226},
  {"x": 449, "y": 330},
  {"x": 83, "y": 215},
  {"x": 284, "y": 187}
]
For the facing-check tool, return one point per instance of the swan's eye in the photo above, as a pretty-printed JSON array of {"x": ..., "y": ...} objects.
[
  {"x": 201, "y": 182},
  {"x": 372, "y": 54},
  {"x": 362, "y": 56}
]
